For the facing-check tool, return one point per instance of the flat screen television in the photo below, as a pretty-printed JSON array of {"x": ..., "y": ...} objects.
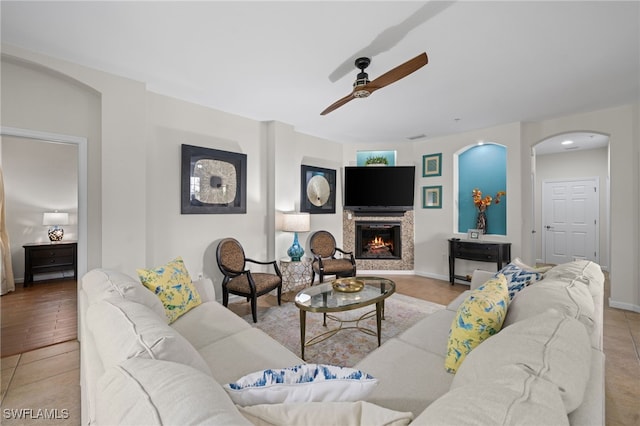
[{"x": 379, "y": 189}]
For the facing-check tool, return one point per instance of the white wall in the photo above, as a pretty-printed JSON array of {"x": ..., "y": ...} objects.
[
  {"x": 134, "y": 176},
  {"x": 570, "y": 165},
  {"x": 621, "y": 124},
  {"x": 435, "y": 226}
]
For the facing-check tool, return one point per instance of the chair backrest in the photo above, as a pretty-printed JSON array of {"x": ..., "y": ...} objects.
[
  {"x": 323, "y": 244},
  {"x": 230, "y": 256}
]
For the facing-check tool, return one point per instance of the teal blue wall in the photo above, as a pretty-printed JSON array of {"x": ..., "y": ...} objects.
[{"x": 483, "y": 167}]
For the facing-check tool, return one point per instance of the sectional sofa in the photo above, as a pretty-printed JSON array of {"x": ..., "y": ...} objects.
[{"x": 545, "y": 366}]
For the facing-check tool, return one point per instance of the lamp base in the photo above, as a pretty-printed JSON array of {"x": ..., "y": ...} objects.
[
  {"x": 296, "y": 251},
  {"x": 56, "y": 233}
]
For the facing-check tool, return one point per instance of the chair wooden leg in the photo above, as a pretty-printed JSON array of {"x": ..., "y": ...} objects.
[
  {"x": 225, "y": 297},
  {"x": 279, "y": 295},
  {"x": 254, "y": 308}
]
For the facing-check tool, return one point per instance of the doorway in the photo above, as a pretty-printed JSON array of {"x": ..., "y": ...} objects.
[{"x": 571, "y": 197}]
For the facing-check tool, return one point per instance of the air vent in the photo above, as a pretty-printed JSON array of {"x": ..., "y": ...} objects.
[{"x": 416, "y": 137}]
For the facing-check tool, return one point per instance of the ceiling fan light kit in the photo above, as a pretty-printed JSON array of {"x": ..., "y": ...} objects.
[{"x": 363, "y": 87}]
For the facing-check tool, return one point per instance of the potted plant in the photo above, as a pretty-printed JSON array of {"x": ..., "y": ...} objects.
[{"x": 376, "y": 161}]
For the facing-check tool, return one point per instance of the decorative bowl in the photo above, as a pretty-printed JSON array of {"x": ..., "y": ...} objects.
[{"x": 348, "y": 285}]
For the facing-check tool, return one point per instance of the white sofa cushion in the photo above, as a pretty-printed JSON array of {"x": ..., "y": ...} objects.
[
  {"x": 572, "y": 298},
  {"x": 131, "y": 330},
  {"x": 244, "y": 352},
  {"x": 551, "y": 346},
  {"x": 409, "y": 378},
  {"x": 584, "y": 271},
  {"x": 324, "y": 413},
  {"x": 301, "y": 383},
  {"x": 512, "y": 396},
  {"x": 152, "y": 392},
  {"x": 101, "y": 284}
]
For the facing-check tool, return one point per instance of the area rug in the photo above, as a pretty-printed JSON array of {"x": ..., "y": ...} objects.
[{"x": 346, "y": 347}]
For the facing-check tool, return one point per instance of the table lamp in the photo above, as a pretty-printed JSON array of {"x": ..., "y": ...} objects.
[
  {"x": 296, "y": 222},
  {"x": 55, "y": 220}
]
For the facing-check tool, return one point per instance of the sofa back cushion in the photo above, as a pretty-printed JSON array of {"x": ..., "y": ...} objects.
[
  {"x": 551, "y": 346},
  {"x": 100, "y": 284},
  {"x": 154, "y": 392},
  {"x": 584, "y": 271},
  {"x": 512, "y": 396},
  {"x": 572, "y": 298},
  {"x": 124, "y": 329}
]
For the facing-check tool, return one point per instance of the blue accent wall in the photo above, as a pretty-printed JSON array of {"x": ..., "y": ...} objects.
[{"x": 483, "y": 167}]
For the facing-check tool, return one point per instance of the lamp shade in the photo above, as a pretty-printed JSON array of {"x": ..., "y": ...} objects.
[
  {"x": 296, "y": 222},
  {"x": 55, "y": 218}
]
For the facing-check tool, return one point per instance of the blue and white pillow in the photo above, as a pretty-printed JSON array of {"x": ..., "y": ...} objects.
[
  {"x": 518, "y": 277},
  {"x": 301, "y": 383}
]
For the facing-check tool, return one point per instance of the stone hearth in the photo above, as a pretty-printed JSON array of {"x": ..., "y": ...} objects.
[{"x": 406, "y": 263}]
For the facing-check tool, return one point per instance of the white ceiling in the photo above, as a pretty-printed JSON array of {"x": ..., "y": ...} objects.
[{"x": 490, "y": 63}]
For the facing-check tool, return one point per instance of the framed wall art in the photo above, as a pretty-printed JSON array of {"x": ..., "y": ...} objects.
[
  {"x": 432, "y": 197},
  {"x": 213, "y": 181},
  {"x": 317, "y": 190},
  {"x": 432, "y": 165}
]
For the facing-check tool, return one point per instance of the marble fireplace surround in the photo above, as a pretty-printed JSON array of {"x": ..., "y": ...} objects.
[{"x": 349, "y": 220}]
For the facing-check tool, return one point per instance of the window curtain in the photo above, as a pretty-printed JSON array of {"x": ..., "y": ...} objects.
[{"x": 6, "y": 271}]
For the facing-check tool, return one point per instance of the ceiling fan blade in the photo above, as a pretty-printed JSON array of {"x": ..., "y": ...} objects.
[
  {"x": 398, "y": 72},
  {"x": 337, "y": 104}
]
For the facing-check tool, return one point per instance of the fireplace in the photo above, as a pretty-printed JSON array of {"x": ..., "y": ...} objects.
[{"x": 378, "y": 240}]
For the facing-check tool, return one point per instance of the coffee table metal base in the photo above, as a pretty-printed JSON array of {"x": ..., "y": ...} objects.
[{"x": 327, "y": 334}]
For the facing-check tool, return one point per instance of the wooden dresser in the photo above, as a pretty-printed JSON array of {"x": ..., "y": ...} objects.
[
  {"x": 482, "y": 251},
  {"x": 41, "y": 258}
]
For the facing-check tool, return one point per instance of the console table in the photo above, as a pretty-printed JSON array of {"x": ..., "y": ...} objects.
[
  {"x": 40, "y": 258},
  {"x": 482, "y": 251}
]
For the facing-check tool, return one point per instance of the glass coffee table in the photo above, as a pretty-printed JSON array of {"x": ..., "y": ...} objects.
[{"x": 341, "y": 295}]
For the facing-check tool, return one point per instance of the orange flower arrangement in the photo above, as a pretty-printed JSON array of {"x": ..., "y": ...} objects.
[{"x": 483, "y": 203}]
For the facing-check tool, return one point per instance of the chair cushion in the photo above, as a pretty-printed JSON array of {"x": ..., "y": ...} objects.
[
  {"x": 323, "y": 244},
  {"x": 301, "y": 383},
  {"x": 264, "y": 282},
  {"x": 172, "y": 284},
  {"x": 481, "y": 315},
  {"x": 231, "y": 255},
  {"x": 334, "y": 265}
]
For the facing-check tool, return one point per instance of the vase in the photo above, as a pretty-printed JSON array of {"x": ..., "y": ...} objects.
[{"x": 481, "y": 222}]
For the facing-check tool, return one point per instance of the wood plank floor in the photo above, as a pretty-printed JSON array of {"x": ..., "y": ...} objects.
[{"x": 43, "y": 314}]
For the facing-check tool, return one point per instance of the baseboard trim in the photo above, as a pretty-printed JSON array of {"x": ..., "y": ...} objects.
[
  {"x": 434, "y": 276},
  {"x": 622, "y": 305}
]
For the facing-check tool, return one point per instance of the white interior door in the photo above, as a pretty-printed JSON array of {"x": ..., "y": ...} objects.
[{"x": 570, "y": 220}]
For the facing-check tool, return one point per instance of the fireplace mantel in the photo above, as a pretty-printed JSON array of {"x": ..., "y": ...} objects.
[{"x": 406, "y": 263}]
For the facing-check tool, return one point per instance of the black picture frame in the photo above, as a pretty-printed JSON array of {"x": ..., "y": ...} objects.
[
  {"x": 213, "y": 181},
  {"x": 317, "y": 190}
]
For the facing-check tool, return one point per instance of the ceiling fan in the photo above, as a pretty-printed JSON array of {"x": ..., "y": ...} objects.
[{"x": 362, "y": 87}]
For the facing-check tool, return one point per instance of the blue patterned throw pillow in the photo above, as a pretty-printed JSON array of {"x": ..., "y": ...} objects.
[
  {"x": 518, "y": 277},
  {"x": 301, "y": 383}
]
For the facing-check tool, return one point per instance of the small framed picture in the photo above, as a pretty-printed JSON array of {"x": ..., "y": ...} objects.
[
  {"x": 474, "y": 234},
  {"x": 432, "y": 197},
  {"x": 432, "y": 165}
]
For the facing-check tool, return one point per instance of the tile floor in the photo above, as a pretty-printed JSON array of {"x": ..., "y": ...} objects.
[{"x": 48, "y": 378}]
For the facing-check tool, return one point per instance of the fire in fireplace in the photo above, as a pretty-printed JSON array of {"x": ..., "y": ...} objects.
[{"x": 378, "y": 240}]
